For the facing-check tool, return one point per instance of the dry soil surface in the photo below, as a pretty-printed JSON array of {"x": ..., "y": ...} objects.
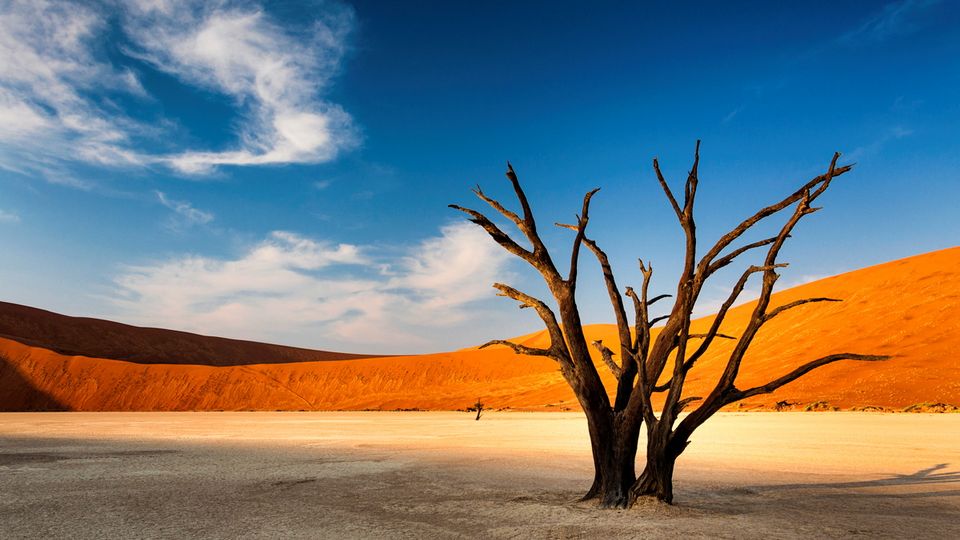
[{"x": 444, "y": 475}]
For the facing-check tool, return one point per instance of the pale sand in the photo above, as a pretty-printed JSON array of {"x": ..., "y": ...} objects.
[{"x": 443, "y": 475}]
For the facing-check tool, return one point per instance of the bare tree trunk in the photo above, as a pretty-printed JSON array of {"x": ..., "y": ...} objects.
[
  {"x": 656, "y": 480},
  {"x": 614, "y": 449}
]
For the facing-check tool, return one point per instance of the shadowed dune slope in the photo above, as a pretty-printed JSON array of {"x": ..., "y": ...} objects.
[
  {"x": 107, "y": 339},
  {"x": 909, "y": 308}
]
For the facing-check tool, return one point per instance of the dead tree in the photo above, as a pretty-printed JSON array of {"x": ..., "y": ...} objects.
[
  {"x": 479, "y": 406},
  {"x": 614, "y": 425}
]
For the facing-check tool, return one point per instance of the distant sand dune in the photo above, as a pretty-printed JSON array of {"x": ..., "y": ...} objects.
[
  {"x": 909, "y": 308},
  {"x": 117, "y": 341}
]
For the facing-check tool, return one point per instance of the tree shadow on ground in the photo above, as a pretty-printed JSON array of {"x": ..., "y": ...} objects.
[{"x": 930, "y": 476}]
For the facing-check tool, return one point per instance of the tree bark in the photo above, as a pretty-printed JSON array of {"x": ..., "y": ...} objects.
[
  {"x": 615, "y": 454},
  {"x": 656, "y": 481}
]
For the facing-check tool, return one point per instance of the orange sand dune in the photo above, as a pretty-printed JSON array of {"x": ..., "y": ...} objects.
[
  {"x": 108, "y": 339},
  {"x": 909, "y": 308}
]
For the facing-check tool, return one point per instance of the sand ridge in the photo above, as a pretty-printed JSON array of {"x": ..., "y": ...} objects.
[{"x": 117, "y": 341}]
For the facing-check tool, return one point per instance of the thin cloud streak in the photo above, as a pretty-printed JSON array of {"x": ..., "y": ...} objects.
[
  {"x": 894, "y": 19},
  {"x": 871, "y": 149},
  {"x": 185, "y": 214},
  {"x": 731, "y": 115},
  {"x": 9, "y": 217}
]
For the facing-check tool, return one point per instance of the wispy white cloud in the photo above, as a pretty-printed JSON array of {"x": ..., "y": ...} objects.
[
  {"x": 272, "y": 73},
  {"x": 57, "y": 83},
  {"x": 731, "y": 115},
  {"x": 293, "y": 289},
  {"x": 870, "y": 149},
  {"x": 185, "y": 215},
  {"x": 9, "y": 217},
  {"x": 893, "y": 19},
  {"x": 47, "y": 72}
]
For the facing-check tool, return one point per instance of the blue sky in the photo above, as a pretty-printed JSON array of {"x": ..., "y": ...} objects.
[{"x": 280, "y": 171}]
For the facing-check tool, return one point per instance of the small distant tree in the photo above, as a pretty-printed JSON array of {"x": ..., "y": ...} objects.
[
  {"x": 479, "y": 407},
  {"x": 641, "y": 370}
]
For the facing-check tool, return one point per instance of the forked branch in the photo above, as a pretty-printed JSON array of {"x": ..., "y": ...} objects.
[
  {"x": 727, "y": 259},
  {"x": 557, "y": 346},
  {"x": 497, "y": 234},
  {"x": 582, "y": 221},
  {"x": 607, "y": 356},
  {"x": 818, "y": 184},
  {"x": 718, "y": 319}
]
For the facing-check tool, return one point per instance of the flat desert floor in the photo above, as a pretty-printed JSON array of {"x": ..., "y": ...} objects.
[{"x": 443, "y": 475}]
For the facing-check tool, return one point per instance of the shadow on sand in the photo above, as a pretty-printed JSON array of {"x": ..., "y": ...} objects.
[
  {"x": 19, "y": 394},
  {"x": 935, "y": 475}
]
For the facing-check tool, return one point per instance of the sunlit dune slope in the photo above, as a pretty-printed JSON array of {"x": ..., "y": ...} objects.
[
  {"x": 909, "y": 308},
  {"x": 107, "y": 339},
  {"x": 436, "y": 381}
]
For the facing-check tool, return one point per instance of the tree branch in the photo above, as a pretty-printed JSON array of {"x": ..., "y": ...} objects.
[
  {"x": 584, "y": 218},
  {"x": 718, "y": 319},
  {"x": 704, "y": 336},
  {"x": 657, "y": 298},
  {"x": 540, "y": 253},
  {"x": 522, "y": 197},
  {"x": 538, "y": 256},
  {"x": 662, "y": 387},
  {"x": 638, "y": 316},
  {"x": 500, "y": 208},
  {"x": 796, "y": 303},
  {"x": 690, "y": 188},
  {"x": 517, "y": 348},
  {"x": 682, "y": 404},
  {"x": 641, "y": 307},
  {"x": 655, "y": 320},
  {"x": 666, "y": 190},
  {"x": 727, "y": 259},
  {"x": 746, "y": 224},
  {"x": 689, "y": 363},
  {"x": 607, "y": 356},
  {"x": 557, "y": 342},
  {"x": 628, "y": 358},
  {"x": 799, "y": 372},
  {"x": 498, "y": 235},
  {"x": 627, "y": 371},
  {"x": 619, "y": 311},
  {"x": 770, "y": 276}
]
